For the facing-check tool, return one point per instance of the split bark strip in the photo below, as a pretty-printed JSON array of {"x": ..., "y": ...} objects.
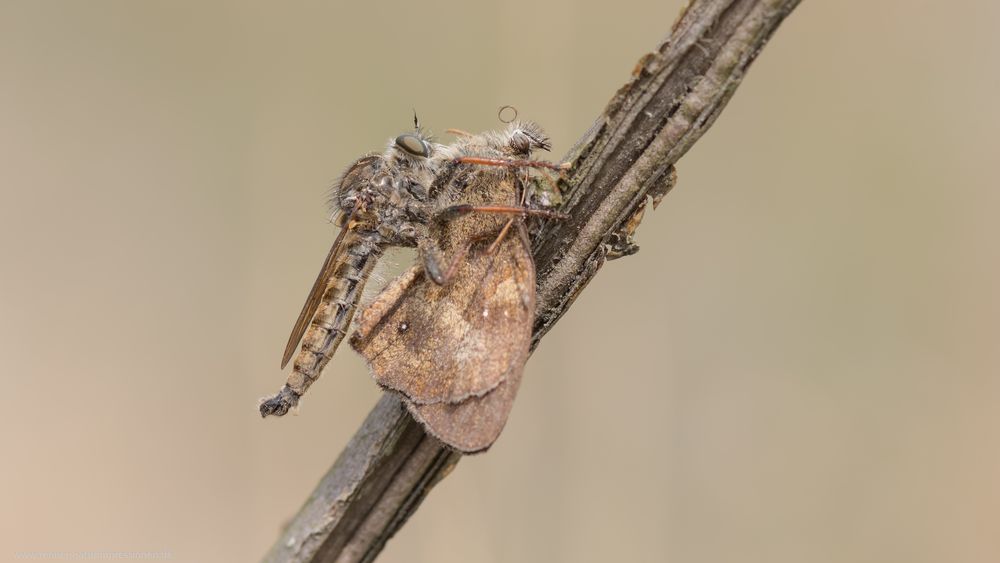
[{"x": 674, "y": 96}]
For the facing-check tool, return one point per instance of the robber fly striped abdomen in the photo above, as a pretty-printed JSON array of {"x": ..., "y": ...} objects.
[{"x": 332, "y": 318}]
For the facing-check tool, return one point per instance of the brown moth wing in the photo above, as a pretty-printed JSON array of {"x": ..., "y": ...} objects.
[
  {"x": 474, "y": 424},
  {"x": 448, "y": 343}
]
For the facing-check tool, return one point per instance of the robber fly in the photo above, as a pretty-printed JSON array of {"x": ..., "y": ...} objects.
[{"x": 385, "y": 200}]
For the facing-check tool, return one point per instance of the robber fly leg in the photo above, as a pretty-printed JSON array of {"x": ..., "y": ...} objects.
[
  {"x": 434, "y": 260},
  {"x": 499, "y": 239},
  {"x": 279, "y": 404}
]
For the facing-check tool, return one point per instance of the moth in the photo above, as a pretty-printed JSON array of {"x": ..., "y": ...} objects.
[{"x": 452, "y": 334}]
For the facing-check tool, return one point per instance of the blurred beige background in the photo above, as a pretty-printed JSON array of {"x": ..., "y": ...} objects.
[{"x": 800, "y": 365}]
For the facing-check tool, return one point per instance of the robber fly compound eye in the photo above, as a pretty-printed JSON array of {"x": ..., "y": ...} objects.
[{"x": 413, "y": 145}]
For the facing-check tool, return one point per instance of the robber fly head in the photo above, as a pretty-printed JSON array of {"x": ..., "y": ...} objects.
[{"x": 412, "y": 150}]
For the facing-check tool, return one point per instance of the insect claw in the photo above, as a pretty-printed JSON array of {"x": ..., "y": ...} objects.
[{"x": 279, "y": 404}]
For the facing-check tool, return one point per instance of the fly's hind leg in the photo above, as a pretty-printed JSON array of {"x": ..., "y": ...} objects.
[
  {"x": 437, "y": 268},
  {"x": 503, "y": 232}
]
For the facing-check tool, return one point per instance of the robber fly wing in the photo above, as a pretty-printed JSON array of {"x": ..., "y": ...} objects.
[
  {"x": 315, "y": 298},
  {"x": 356, "y": 173}
]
